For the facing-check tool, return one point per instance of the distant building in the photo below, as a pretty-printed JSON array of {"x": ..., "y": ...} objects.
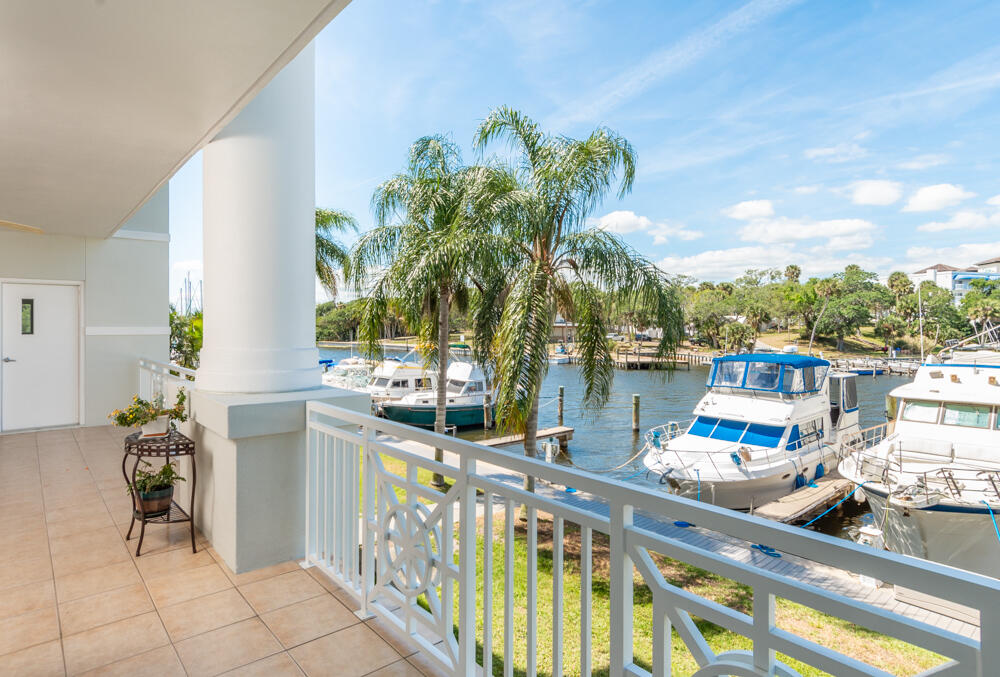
[{"x": 956, "y": 280}]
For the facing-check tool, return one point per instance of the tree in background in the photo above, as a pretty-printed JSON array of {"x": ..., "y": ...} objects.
[
  {"x": 186, "y": 334},
  {"x": 850, "y": 307},
  {"x": 707, "y": 310},
  {"x": 753, "y": 298},
  {"x": 554, "y": 263},
  {"x": 824, "y": 291},
  {"x": 900, "y": 285},
  {"x": 981, "y": 304},
  {"x": 331, "y": 254},
  {"x": 792, "y": 273}
]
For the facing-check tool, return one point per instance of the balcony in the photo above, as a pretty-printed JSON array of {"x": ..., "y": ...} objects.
[{"x": 400, "y": 578}]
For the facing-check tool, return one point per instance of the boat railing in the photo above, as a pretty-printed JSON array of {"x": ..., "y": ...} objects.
[
  {"x": 737, "y": 454},
  {"x": 908, "y": 477}
]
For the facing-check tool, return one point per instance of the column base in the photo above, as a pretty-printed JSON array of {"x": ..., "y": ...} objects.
[{"x": 250, "y": 496}]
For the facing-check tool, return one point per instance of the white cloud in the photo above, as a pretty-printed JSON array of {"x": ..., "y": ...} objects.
[
  {"x": 963, "y": 220},
  {"x": 769, "y": 231},
  {"x": 807, "y": 190},
  {"x": 924, "y": 161},
  {"x": 625, "y": 221},
  {"x": 875, "y": 192},
  {"x": 727, "y": 264},
  {"x": 842, "y": 243},
  {"x": 995, "y": 201},
  {"x": 938, "y": 196},
  {"x": 750, "y": 209},
  {"x": 595, "y": 105},
  {"x": 842, "y": 152},
  {"x": 960, "y": 255}
]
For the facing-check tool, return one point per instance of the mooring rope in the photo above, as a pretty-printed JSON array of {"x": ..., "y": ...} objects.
[
  {"x": 617, "y": 467},
  {"x": 835, "y": 504}
]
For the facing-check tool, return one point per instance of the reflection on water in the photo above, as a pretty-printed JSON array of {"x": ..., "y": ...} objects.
[{"x": 603, "y": 439}]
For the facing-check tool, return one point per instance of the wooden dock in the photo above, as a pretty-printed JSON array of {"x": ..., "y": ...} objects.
[
  {"x": 803, "y": 503},
  {"x": 561, "y": 432},
  {"x": 648, "y": 359}
]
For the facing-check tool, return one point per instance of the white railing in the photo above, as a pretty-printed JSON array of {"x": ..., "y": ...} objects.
[
  {"x": 417, "y": 558},
  {"x": 157, "y": 378}
]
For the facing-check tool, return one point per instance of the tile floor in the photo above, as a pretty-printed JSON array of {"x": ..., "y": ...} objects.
[{"x": 74, "y": 600}]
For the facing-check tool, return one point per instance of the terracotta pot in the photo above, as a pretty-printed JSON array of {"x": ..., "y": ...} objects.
[{"x": 156, "y": 502}]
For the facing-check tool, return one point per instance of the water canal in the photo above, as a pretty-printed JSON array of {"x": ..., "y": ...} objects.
[{"x": 604, "y": 439}]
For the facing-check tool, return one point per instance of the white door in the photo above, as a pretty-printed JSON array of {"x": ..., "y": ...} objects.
[{"x": 39, "y": 355}]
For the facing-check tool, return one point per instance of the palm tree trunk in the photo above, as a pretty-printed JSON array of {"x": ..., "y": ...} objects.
[
  {"x": 444, "y": 304},
  {"x": 531, "y": 433},
  {"x": 815, "y": 322}
]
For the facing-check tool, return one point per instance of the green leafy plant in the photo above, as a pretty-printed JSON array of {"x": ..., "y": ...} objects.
[
  {"x": 141, "y": 411},
  {"x": 147, "y": 482}
]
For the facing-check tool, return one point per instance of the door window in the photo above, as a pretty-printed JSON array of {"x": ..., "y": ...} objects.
[{"x": 27, "y": 316}]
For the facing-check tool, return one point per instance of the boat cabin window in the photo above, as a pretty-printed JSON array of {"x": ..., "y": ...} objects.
[
  {"x": 764, "y": 376},
  {"x": 920, "y": 412},
  {"x": 422, "y": 383},
  {"x": 455, "y": 384},
  {"x": 401, "y": 383},
  {"x": 729, "y": 374},
  {"x": 802, "y": 434},
  {"x": 380, "y": 382},
  {"x": 474, "y": 387},
  {"x": 763, "y": 435},
  {"x": 969, "y": 415},
  {"x": 849, "y": 394}
]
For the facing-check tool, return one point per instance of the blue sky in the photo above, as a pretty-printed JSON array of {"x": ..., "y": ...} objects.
[{"x": 768, "y": 132}]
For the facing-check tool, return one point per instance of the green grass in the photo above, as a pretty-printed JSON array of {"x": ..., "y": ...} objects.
[{"x": 884, "y": 652}]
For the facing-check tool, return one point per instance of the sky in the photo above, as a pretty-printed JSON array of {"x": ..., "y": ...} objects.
[{"x": 768, "y": 132}]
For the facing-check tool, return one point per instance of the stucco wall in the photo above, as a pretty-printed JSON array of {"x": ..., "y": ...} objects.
[{"x": 125, "y": 297}]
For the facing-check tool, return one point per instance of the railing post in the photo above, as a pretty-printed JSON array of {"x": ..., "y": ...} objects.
[
  {"x": 763, "y": 621},
  {"x": 467, "y": 572},
  {"x": 621, "y": 596},
  {"x": 368, "y": 513}
]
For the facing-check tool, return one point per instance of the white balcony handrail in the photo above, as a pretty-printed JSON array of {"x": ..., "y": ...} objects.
[
  {"x": 156, "y": 378},
  {"x": 407, "y": 550}
]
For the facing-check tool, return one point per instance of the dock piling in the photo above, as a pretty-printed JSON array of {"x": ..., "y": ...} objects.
[
  {"x": 559, "y": 406},
  {"x": 635, "y": 413}
]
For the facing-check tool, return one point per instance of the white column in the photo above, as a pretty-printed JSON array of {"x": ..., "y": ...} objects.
[{"x": 259, "y": 242}]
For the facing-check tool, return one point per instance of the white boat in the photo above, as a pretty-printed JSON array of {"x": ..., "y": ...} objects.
[
  {"x": 395, "y": 377},
  {"x": 351, "y": 373},
  {"x": 466, "y": 389},
  {"x": 932, "y": 474},
  {"x": 559, "y": 359},
  {"x": 769, "y": 424}
]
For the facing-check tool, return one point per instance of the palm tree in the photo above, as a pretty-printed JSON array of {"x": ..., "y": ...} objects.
[
  {"x": 826, "y": 290},
  {"x": 900, "y": 285},
  {"x": 430, "y": 222},
  {"x": 331, "y": 255},
  {"x": 553, "y": 262}
]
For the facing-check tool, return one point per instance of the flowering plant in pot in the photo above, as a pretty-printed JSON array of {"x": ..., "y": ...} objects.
[
  {"x": 156, "y": 489},
  {"x": 151, "y": 417}
]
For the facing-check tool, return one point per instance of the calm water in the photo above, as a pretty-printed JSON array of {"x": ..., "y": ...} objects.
[{"x": 604, "y": 439}]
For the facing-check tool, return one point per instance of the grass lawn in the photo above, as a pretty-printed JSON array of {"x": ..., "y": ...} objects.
[
  {"x": 867, "y": 345},
  {"x": 886, "y": 653}
]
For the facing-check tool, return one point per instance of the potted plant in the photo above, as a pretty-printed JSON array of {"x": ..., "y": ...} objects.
[
  {"x": 151, "y": 417},
  {"x": 156, "y": 489}
]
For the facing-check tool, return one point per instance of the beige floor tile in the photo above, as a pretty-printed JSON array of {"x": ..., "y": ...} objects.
[
  {"x": 184, "y": 585},
  {"x": 28, "y": 629},
  {"x": 400, "y": 668},
  {"x": 257, "y": 574},
  {"x": 182, "y": 559},
  {"x": 106, "y": 607},
  {"x": 30, "y": 547},
  {"x": 84, "y": 511},
  {"x": 159, "y": 537},
  {"x": 94, "y": 581},
  {"x": 68, "y": 527},
  {"x": 278, "y": 665},
  {"x": 113, "y": 642},
  {"x": 84, "y": 558},
  {"x": 24, "y": 571},
  {"x": 105, "y": 537},
  {"x": 161, "y": 662},
  {"x": 392, "y": 637},
  {"x": 205, "y": 614},
  {"x": 227, "y": 648},
  {"x": 424, "y": 665},
  {"x": 57, "y": 500},
  {"x": 279, "y": 591},
  {"x": 352, "y": 652},
  {"x": 25, "y": 598},
  {"x": 304, "y": 621},
  {"x": 43, "y": 660}
]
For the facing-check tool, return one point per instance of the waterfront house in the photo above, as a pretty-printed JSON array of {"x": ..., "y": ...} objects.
[
  {"x": 956, "y": 280},
  {"x": 320, "y": 547}
]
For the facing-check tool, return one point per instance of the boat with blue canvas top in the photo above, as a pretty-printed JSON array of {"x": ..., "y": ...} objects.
[{"x": 769, "y": 423}]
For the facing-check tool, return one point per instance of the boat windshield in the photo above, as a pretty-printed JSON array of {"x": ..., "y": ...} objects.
[
  {"x": 379, "y": 382},
  {"x": 969, "y": 415},
  {"x": 768, "y": 375},
  {"x": 757, "y": 434}
]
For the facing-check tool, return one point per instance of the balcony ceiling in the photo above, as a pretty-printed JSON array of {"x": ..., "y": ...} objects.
[{"x": 103, "y": 100}]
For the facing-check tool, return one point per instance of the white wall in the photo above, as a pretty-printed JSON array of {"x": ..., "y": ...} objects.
[{"x": 125, "y": 297}]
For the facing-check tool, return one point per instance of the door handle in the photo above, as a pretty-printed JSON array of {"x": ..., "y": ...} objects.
[{"x": 7, "y": 359}]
